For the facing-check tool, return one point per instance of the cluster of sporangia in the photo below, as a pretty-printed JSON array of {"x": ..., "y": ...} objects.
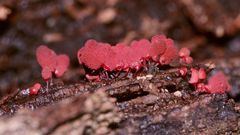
[
  {"x": 51, "y": 63},
  {"x": 123, "y": 58}
]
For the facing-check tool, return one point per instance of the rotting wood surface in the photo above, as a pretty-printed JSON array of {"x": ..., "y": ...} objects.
[{"x": 163, "y": 103}]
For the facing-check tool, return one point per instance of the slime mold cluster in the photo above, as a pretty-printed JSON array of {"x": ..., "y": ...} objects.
[
  {"x": 97, "y": 55},
  {"x": 160, "y": 51},
  {"x": 103, "y": 61}
]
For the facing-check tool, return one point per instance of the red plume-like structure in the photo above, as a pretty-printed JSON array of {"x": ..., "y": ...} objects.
[
  {"x": 160, "y": 51},
  {"x": 96, "y": 55},
  {"x": 218, "y": 83},
  {"x": 51, "y": 63}
]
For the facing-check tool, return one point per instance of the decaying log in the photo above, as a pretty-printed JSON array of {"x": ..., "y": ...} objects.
[
  {"x": 161, "y": 103},
  {"x": 116, "y": 88}
]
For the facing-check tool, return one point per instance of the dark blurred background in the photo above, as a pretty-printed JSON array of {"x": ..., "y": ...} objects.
[{"x": 209, "y": 28}]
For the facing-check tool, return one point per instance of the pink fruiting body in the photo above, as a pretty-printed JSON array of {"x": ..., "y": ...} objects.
[
  {"x": 170, "y": 53},
  {"x": 123, "y": 58},
  {"x": 194, "y": 76},
  {"x": 188, "y": 60},
  {"x": 62, "y": 64},
  {"x": 184, "y": 54},
  {"x": 201, "y": 87},
  {"x": 34, "y": 89},
  {"x": 202, "y": 74},
  {"x": 46, "y": 73},
  {"x": 114, "y": 60},
  {"x": 218, "y": 83},
  {"x": 159, "y": 51},
  {"x": 87, "y": 55},
  {"x": 51, "y": 62},
  {"x": 46, "y": 58},
  {"x": 141, "y": 48},
  {"x": 157, "y": 38},
  {"x": 183, "y": 71}
]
